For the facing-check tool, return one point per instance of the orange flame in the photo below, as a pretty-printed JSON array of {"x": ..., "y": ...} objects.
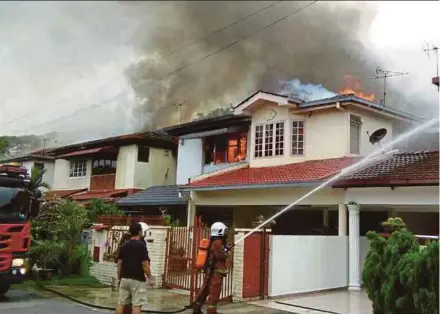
[{"x": 353, "y": 86}]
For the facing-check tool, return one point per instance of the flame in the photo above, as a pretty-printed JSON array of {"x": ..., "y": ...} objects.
[{"x": 353, "y": 86}]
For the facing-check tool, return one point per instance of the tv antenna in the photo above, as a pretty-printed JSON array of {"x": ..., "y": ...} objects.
[
  {"x": 384, "y": 74},
  {"x": 429, "y": 50}
]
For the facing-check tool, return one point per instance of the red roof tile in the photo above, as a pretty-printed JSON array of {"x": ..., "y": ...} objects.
[
  {"x": 313, "y": 170},
  {"x": 401, "y": 169},
  {"x": 105, "y": 194},
  {"x": 107, "y": 149}
]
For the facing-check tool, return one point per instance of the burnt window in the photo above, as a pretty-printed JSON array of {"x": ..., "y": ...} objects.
[
  {"x": 225, "y": 148},
  {"x": 143, "y": 154},
  {"x": 103, "y": 166}
]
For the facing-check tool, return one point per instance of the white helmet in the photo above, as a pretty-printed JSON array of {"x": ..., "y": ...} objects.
[
  {"x": 145, "y": 228},
  {"x": 218, "y": 229}
]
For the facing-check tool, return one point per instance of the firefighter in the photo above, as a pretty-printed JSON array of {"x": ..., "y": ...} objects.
[{"x": 215, "y": 270}]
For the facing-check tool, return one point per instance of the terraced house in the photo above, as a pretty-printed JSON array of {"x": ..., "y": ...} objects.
[{"x": 244, "y": 167}]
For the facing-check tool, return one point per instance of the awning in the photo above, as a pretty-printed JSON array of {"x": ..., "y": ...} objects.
[
  {"x": 62, "y": 193},
  {"x": 104, "y": 194},
  {"x": 232, "y": 129},
  {"x": 106, "y": 150}
]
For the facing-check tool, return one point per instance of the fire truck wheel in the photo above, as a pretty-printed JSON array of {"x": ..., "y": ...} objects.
[{"x": 4, "y": 287}]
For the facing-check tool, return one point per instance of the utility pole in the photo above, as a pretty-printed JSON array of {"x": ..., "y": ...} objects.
[
  {"x": 44, "y": 146},
  {"x": 179, "y": 107},
  {"x": 428, "y": 49},
  {"x": 384, "y": 74}
]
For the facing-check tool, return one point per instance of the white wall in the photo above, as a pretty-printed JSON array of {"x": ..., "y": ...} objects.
[
  {"x": 370, "y": 123},
  {"x": 189, "y": 160},
  {"x": 62, "y": 181},
  {"x": 307, "y": 263},
  {"x": 160, "y": 170},
  {"x": 324, "y": 123}
]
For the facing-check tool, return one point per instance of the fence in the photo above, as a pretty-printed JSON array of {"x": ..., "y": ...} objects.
[{"x": 180, "y": 271}]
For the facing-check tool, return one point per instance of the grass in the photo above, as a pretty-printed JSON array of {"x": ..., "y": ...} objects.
[{"x": 70, "y": 281}]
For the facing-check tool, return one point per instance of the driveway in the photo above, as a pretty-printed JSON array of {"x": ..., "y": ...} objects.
[
  {"x": 26, "y": 302},
  {"x": 337, "y": 302}
]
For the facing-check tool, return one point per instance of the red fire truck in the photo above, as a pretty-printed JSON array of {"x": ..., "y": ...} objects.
[{"x": 16, "y": 207}]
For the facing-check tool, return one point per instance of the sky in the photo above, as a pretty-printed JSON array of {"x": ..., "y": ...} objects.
[{"x": 62, "y": 68}]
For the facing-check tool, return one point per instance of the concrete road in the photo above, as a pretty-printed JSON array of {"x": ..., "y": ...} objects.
[{"x": 25, "y": 302}]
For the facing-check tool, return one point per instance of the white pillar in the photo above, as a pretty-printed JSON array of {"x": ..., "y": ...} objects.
[
  {"x": 190, "y": 211},
  {"x": 342, "y": 220},
  {"x": 354, "y": 278}
]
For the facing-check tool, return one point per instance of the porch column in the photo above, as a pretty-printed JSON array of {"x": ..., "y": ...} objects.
[
  {"x": 190, "y": 211},
  {"x": 354, "y": 278},
  {"x": 342, "y": 220}
]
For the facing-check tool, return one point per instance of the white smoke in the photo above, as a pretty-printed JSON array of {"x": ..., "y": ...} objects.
[{"x": 306, "y": 92}]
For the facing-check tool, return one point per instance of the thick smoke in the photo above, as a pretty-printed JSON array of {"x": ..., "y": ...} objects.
[{"x": 318, "y": 46}]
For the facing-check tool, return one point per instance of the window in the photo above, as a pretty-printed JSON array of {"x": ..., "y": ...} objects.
[
  {"x": 143, "y": 154},
  {"x": 225, "y": 148},
  {"x": 78, "y": 169},
  {"x": 39, "y": 165},
  {"x": 297, "y": 138},
  {"x": 103, "y": 166},
  {"x": 269, "y": 140},
  {"x": 355, "y": 133}
]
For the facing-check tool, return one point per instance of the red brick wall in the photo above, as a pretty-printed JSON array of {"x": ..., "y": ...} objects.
[
  {"x": 252, "y": 266},
  {"x": 102, "y": 182}
]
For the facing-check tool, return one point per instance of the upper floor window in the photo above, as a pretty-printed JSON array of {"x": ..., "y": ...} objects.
[
  {"x": 269, "y": 140},
  {"x": 103, "y": 166},
  {"x": 298, "y": 138},
  {"x": 39, "y": 165},
  {"x": 78, "y": 169},
  {"x": 143, "y": 154},
  {"x": 355, "y": 134},
  {"x": 225, "y": 148}
]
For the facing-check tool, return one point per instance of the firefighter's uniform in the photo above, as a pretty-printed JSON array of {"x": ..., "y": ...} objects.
[{"x": 215, "y": 270}]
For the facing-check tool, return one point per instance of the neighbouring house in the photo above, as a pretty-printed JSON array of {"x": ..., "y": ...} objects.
[
  {"x": 39, "y": 159},
  {"x": 114, "y": 167},
  {"x": 293, "y": 146}
]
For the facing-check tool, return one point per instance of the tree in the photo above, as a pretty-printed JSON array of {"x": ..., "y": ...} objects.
[
  {"x": 37, "y": 182},
  {"x": 3, "y": 146},
  {"x": 400, "y": 276},
  {"x": 98, "y": 207}
]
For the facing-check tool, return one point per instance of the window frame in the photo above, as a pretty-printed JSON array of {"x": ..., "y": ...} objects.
[
  {"x": 39, "y": 164},
  {"x": 72, "y": 164},
  {"x": 106, "y": 165},
  {"x": 149, "y": 153},
  {"x": 359, "y": 131},
  {"x": 303, "y": 140},
  {"x": 240, "y": 137},
  {"x": 274, "y": 140}
]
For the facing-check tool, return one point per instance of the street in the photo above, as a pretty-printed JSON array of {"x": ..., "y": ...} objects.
[{"x": 25, "y": 302}]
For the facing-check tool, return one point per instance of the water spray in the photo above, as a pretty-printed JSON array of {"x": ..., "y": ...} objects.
[{"x": 361, "y": 164}]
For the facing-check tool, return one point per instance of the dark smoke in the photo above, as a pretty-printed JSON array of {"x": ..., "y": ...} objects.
[{"x": 318, "y": 45}]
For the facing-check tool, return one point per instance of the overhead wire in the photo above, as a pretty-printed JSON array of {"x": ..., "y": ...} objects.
[
  {"x": 207, "y": 56},
  {"x": 169, "y": 53}
]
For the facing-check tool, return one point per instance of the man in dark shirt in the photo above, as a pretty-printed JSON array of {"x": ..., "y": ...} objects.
[{"x": 133, "y": 265}]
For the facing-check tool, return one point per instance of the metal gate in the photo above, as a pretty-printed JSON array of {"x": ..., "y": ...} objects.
[{"x": 180, "y": 271}]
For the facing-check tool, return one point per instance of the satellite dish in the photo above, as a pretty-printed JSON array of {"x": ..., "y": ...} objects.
[{"x": 377, "y": 136}]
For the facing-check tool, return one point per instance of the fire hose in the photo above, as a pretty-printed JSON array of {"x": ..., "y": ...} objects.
[{"x": 101, "y": 307}]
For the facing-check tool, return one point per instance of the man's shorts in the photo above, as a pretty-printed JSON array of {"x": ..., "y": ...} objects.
[{"x": 132, "y": 291}]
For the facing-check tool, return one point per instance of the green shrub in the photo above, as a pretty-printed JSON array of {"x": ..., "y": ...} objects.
[
  {"x": 399, "y": 275},
  {"x": 98, "y": 207}
]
